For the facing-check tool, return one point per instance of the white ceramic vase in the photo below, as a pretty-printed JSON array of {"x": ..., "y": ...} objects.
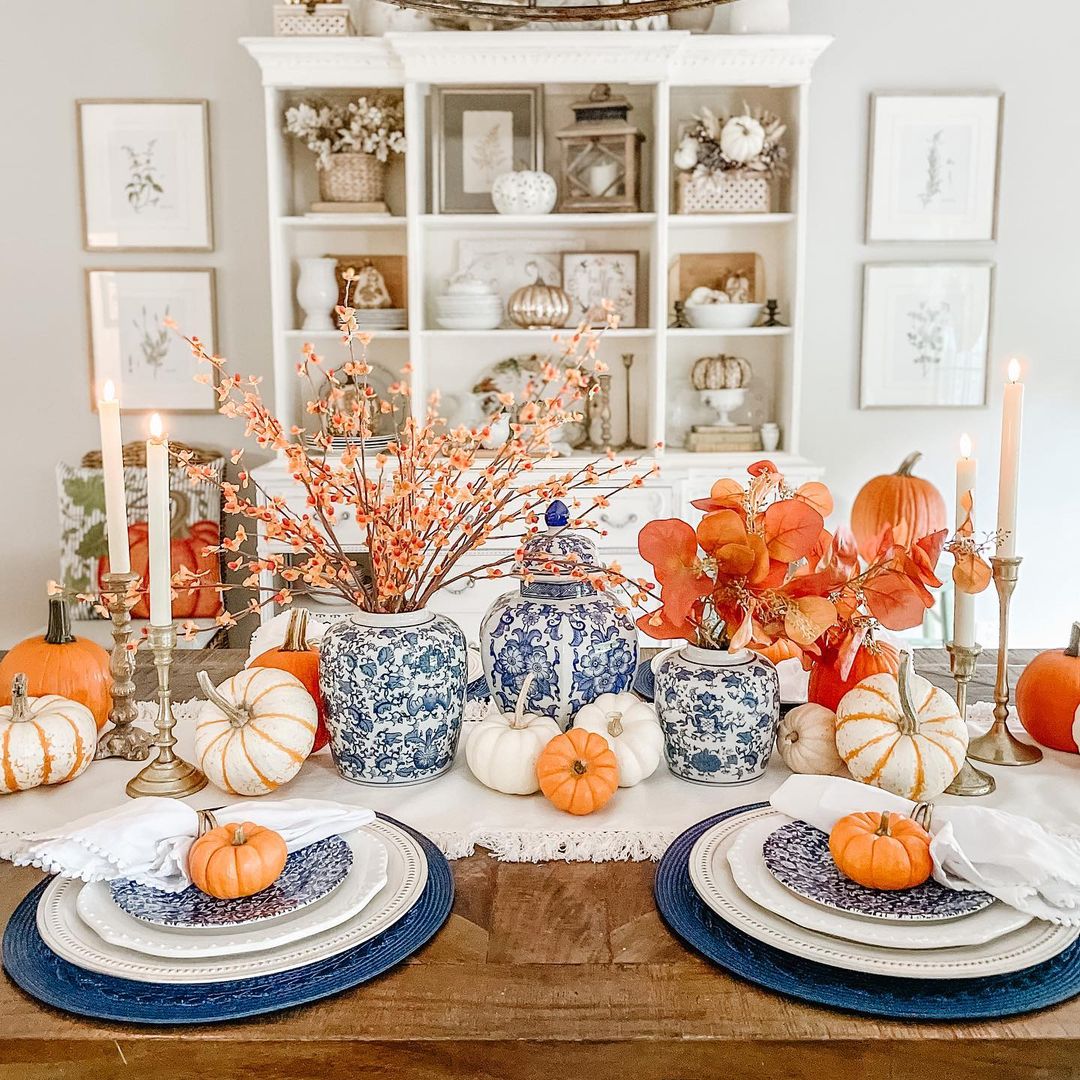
[
  {"x": 317, "y": 292},
  {"x": 760, "y": 17}
]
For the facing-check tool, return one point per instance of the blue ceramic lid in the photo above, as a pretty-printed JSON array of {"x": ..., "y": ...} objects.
[{"x": 559, "y": 541}]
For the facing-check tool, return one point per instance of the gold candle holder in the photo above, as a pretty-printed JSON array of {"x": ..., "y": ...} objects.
[
  {"x": 999, "y": 746},
  {"x": 167, "y": 775},
  {"x": 969, "y": 781},
  {"x": 123, "y": 740}
]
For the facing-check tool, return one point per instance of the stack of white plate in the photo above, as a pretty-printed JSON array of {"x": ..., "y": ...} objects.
[
  {"x": 380, "y": 318},
  {"x": 966, "y": 937},
  {"x": 468, "y": 312}
]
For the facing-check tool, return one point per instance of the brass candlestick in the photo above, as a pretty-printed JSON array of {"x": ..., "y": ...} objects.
[
  {"x": 999, "y": 746},
  {"x": 628, "y": 443},
  {"x": 167, "y": 775},
  {"x": 123, "y": 739},
  {"x": 969, "y": 780}
]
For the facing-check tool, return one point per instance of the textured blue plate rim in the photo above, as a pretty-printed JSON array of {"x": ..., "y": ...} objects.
[
  {"x": 31, "y": 965},
  {"x": 879, "y": 996}
]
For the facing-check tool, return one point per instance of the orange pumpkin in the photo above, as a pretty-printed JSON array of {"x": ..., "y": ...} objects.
[
  {"x": 236, "y": 860},
  {"x": 827, "y": 688},
  {"x": 881, "y": 851},
  {"x": 779, "y": 650},
  {"x": 1048, "y": 696},
  {"x": 295, "y": 655},
  {"x": 578, "y": 771},
  {"x": 60, "y": 663},
  {"x": 911, "y": 505}
]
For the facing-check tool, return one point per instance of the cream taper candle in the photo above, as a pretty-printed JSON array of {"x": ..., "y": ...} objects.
[
  {"x": 112, "y": 468},
  {"x": 964, "y": 603},
  {"x": 158, "y": 519},
  {"x": 1012, "y": 415}
]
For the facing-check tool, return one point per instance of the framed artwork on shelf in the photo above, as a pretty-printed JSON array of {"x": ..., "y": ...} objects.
[
  {"x": 595, "y": 278},
  {"x": 925, "y": 334},
  {"x": 934, "y": 166},
  {"x": 144, "y": 169},
  {"x": 130, "y": 343},
  {"x": 477, "y": 133}
]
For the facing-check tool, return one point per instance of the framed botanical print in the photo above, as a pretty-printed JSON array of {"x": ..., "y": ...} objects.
[
  {"x": 593, "y": 279},
  {"x": 130, "y": 342},
  {"x": 926, "y": 334},
  {"x": 933, "y": 166},
  {"x": 144, "y": 169},
  {"x": 477, "y": 134}
]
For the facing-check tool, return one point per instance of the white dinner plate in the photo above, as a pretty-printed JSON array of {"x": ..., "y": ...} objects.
[
  {"x": 754, "y": 879},
  {"x": 711, "y": 876},
  {"x": 367, "y": 875},
  {"x": 71, "y": 939}
]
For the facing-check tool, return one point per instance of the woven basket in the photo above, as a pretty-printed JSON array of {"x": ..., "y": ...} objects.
[
  {"x": 723, "y": 193},
  {"x": 312, "y": 20},
  {"x": 357, "y": 178}
]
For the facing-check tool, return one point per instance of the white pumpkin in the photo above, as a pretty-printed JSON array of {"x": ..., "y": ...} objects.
[
  {"x": 742, "y": 139},
  {"x": 502, "y": 749},
  {"x": 43, "y": 740},
  {"x": 901, "y": 733},
  {"x": 632, "y": 730},
  {"x": 524, "y": 192},
  {"x": 255, "y": 730},
  {"x": 806, "y": 741}
]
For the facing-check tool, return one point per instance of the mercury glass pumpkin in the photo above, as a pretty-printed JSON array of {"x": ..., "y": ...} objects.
[
  {"x": 573, "y": 639},
  {"x": 538, "y": 306}
]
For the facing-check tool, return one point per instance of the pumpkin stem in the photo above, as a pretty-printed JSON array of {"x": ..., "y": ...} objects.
[
  {"x": 909, "y": 721},
  {"x": 58, "y": 631},
  {"x": 614, "y": 724},
  {"x": 20, "y": 706},
  {"x": 519, "y": 720},
  {"x": 239, "y": 837},
  {"x": 579, "y": 767},
  {"x": 238, "y": 715},
  {"x": 883, "y": 824},
  {"x": 908, "y": 463},
  {"x": 1073, "y": 648},
  {"x": 296, "y": 631}
]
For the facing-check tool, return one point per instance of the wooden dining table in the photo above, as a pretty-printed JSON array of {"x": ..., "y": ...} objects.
[{"x": 541, "y": 970}]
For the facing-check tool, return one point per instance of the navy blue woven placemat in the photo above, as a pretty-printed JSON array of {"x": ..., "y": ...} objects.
[
  {"x": 880, "y": 996},
  {"x": 42, "y": 974}
]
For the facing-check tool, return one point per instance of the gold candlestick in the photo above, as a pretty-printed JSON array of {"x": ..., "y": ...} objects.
[
  {"x": 123, "y": 739},
  {"x": 969, "y": 781},
  {"x": 999, "y": 746},
  {"x": 167, "y": 775},
  {"x": 628, "y": 443}
]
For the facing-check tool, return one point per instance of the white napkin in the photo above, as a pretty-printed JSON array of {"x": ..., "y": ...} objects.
[
  {"x": 148, "y": 839},
  {"x": 973, "y": 847}
]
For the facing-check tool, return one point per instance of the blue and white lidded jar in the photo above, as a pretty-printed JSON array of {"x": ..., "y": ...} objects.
[
  {"x": 719, "y": 711},
  {"x": 572, "y": 638}
]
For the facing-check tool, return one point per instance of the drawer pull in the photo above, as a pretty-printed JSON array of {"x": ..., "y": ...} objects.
[{"x": 630, "y": 519}]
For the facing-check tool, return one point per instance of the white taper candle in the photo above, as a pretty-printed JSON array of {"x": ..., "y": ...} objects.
[
  {"x": 964, "y": 603},
  {"x": 1012, "y": 415},
  {"x": 158, "y": 518},
  {"x": 112, "y": 467}
]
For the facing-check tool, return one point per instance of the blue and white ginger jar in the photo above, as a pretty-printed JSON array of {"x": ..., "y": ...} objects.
[
  {"x": 571, "y": 637},
  {"x": 394, "y": 692},
  {"x": 719, "y": 711}
]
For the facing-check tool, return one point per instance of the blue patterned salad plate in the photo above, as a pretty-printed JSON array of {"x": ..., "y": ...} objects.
[
  {"x": 798, "y": 856},
  {"x": 309, "y": 875}
]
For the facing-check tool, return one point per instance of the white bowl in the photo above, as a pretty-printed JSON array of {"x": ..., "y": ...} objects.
[
  {"x": 470, "y": 322},
  {"x": 723, "y": 316}
]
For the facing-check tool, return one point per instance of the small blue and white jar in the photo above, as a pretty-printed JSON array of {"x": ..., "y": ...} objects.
[
  {"x": 719, "y": 711},
  {"x": 394, "y": 692}
]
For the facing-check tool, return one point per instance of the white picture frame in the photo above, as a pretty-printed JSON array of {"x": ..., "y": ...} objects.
[
  {"x": 925, "y": 335},
  {"x": 144, "y": 172},
  {"x": 934, "y": 166},
  {"x": 591, "y": 277},
  {"x": 148, "y": 361}
]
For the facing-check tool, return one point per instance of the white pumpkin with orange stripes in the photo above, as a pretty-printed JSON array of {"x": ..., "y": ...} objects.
[
  {"x": 43, "y": 740},
  {"x": 901, "y": 733},
  {"x": 255, "y": 730}
]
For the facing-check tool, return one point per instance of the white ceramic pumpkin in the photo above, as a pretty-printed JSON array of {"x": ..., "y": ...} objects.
[
  {"x": 632, "y": 730},
  {"x": 43, "y": 740},
  {"x": 255, "y": 730},
  {"x": 901, "y": 733},
  {"x": 503, "y": 748},
  {"x": 806, "y": 741},
  {"x": 742, "y": 139},
  {"x": 524, "y": 192}
]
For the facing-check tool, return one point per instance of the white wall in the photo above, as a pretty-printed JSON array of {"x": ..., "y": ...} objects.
[{"x": 128, "y": 48}]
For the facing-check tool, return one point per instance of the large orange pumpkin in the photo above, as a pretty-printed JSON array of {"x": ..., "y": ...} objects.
[
  {"x": 911, "y": 505},
  {"x": 578, "y": 771},
  {"x": 297, "y": 656},
  {"x": 1048, "y": 696},
  {"x": 60, "y": 663},
  {"x": 881, "y": 851},
  {"x": 827, "y": 688},
  {"x": 237, "y": 860}
]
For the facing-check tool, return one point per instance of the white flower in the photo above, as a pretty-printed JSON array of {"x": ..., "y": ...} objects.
[
  {"x": 686, "y": 154},
  {"x": 742, "y": 139}
]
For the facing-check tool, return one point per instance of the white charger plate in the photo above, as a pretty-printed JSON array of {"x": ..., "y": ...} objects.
[
  {"x": 367, "y": 875},
  {"x": 71, "y": 939},
  {"x": 711, "y": 876},
  {"x": 754, "y": 879}
]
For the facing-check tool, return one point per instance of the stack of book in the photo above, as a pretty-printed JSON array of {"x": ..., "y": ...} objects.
[{"x": 713, "y": 439}]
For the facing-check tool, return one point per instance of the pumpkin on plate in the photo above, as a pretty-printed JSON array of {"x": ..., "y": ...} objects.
[
  {"x": 826, "y": 687},
  {"x": 632, "y": 730},
  {"x": 578, "y": 771},
  {"x": 43, "y": 740},
  {"x": 902, "y": 734},
  {"x": 254, "y": 731},
  {"x": 1048, "y": 696},
  {"x": 881, "y": 851},
  {"x": 910, "y": 504},
  {"x": 806, "y": 741},
  {"x": 237, "y": 860},
  {"x": 60, "y": 663}
]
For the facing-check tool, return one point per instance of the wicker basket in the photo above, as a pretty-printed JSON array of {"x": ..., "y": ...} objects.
[
  {"x": 312, "y": 20},
  {"x": 723, "y": 193},
  {"x": 355, "y": 178}
]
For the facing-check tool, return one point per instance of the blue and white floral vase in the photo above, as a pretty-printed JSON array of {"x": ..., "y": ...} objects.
[
  {"x": 573, "y": 639},
  {"x": 394, "y": 692},
  {"x": 719, "y": 711}
]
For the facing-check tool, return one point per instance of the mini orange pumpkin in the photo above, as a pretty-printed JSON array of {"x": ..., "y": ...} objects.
[
  {"x": 1048, "y": 696},
  {"x": 236, "y": 860},
  {"x": 827, "y": 688},
  {"x": 881, "y": 851},
  {"x": 578, "y": 771},
  {"x": 910, "y": 504}
]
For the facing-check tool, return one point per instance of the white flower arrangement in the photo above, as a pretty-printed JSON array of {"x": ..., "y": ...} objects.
[
  {"x": 749, "y": 142},
  {"x": 374, "y": 125}
]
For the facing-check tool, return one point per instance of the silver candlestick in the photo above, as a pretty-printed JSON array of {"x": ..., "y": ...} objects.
[{"x": 969, "y": 781}]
